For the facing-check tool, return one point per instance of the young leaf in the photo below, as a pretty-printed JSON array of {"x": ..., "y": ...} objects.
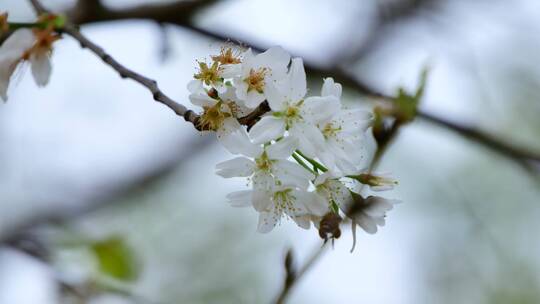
[{"x": 115, "y": 258}]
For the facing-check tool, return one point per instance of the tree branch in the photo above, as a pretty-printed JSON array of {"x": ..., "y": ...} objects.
[
  {"x": 292, "y": 277},
  {"x": 125, "y": 72},
  {"x": 176, "y": 12},
  {"x": 158, "y": 13}
]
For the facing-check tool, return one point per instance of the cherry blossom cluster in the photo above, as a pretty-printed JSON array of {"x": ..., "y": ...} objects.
[
  {"x": 26, "y": 45},
  {"x": 305, "y": 157}
]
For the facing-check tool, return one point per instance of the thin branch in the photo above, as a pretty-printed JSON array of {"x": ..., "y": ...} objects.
[
  {"x": 181, "y": 11},
  {"x": 521, "y": 156},
  {"x": 292, "y": 277},
  {"x": 124, "y": 72},
  {"x": 108, "y": 194}
]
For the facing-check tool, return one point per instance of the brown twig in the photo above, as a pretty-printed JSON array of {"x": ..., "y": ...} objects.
[
  {"x": 124, "y": 72},
  {"x": 292, "y": 277}
]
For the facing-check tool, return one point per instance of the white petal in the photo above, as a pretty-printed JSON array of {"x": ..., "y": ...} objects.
[
  {"x": 355, "y": 120},
  {"x": 302, "y": 221},
  {"x": 236, "y": 167},
  {"x": 235, "y": 139},
  {"x": 231, "y": 70},
  {"x": 377, "y": 206},
  {"x": 8, "y": 63},
  {"x": 292, "y": 174},
  {"x": 382, "y": 187},
  {"x": 320, "y": 109},
  {"x": 253, "y": 99},
  {"x": 367, "y": 223},
  {"x": 330, "y": 88},
  {"x": 202, "y": 99},
  {"x": 321, "y": 179},
  {"x": 240, "y": 198},
  {"x": 11, "y": 52},
  {"x": 282, "y": 149},
  {"x": 195, "y": 86},
  {"x": 315, "y": 204},
  {"x": 263, "y": 181},
  {"x": 41, "y": 68},
  {"x": 20, "y": 41},
  {"x": 310, "y": 138},
  {"x": 295, "y": 84},
  {"x": 267, "y": 222},
  {"x": 220, "y": 87},
  {"x": 276, "y": 59},
  {"x": 229, "y": 127},
  {"x": 267, "y": 129},
  {"x": 277, "y": 100},
  {"x": 241, "y": 88},
  {"x": 262, "y": 201},
  {"x": 341, "y": 194},
  {"x": 247, "y": 55}
]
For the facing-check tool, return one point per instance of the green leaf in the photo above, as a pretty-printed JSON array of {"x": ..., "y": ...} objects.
[
  {"x": 407, "y": 104},
  {"x": 115, "y": 258}
]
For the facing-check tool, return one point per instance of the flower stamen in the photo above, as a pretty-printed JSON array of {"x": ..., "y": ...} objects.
[
  {"x": 255, "y": 80},
  {"x": 227, "y": 56},
  {"x": 209, "y": 74},
  {"x": 212, "y": 118}
]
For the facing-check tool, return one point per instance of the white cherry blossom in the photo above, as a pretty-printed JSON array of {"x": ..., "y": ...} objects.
[
  {"x": 220, "y": 116},
  {"x": 34, "y": 46},
  {"x": 269, "y": 167},
  {"x": 307, "y": 129},
  {"x": 291, "y": 112},
  {"x": 369, "y": 213},
  {"x": 257, "y": 72},
  {"x": 344, "y": 132},
  {"x": 333, "y": 190},
  {"x": 278, "y": 202}
]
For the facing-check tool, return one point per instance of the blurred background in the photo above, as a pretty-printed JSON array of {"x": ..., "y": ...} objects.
[{"x": 108, "y": 197}]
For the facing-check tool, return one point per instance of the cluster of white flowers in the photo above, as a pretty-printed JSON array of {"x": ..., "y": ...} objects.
[
  {"x": 25, "y": 45},
  {"x": 304, "y": 156}
]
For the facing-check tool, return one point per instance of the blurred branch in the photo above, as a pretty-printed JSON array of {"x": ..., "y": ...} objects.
[
  {"x": 154, "y": 12},
  {"x": 109, "y": 193},
  {"x": 176, "y": 12},
  {"x": 388, "y": 14},
  {"x": 527, "y": 159},
  {"x": 292, "y": 276}
]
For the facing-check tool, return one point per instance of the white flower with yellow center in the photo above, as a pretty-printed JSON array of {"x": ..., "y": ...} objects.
[
  {"x": 220, "y": 115},
  {"x": 332, "y": 190},
  {"x": 344, "y": 134},
  {"x": 257, "y": 72},
  {"x": 292, "y": 113},
  {"x": 278, "y": 202},
  {"x": 269, "y": 166}
]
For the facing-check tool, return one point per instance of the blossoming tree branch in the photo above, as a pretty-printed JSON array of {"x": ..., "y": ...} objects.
[{"x": 305, "y": 157}]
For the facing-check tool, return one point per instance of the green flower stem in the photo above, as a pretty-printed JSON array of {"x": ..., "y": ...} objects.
[
  {"x": 302, "y": 163},
  {"x": 316, "y": 165},
  {"x": 19, "y": 25},
  {"x": 57, "y": 22}
]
